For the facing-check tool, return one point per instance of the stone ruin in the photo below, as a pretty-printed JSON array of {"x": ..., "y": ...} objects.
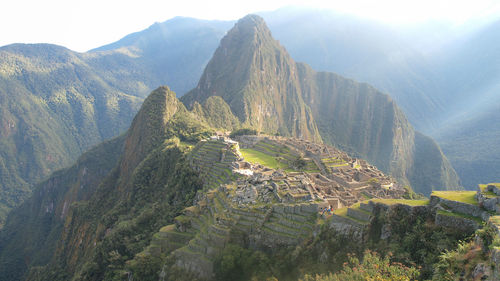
[{"x": 340, "y": 183}]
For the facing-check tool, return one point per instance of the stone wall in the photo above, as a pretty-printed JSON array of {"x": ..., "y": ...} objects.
[
  {"x": 455, "y": 222},
  {"x": 460, "y": 207},
  {"x": 347, "y": 227}
]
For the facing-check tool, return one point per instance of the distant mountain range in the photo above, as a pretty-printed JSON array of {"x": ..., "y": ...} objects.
[{"x": 92, "y": 96}]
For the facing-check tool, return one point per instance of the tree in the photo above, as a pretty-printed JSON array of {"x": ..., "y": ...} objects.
[{"x": 372, "y": 268}]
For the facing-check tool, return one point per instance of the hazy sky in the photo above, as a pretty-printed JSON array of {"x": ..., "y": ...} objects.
[{"x": 83, "y": 25}]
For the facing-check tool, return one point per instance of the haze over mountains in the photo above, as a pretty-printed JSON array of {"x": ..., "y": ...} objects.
[
  {"x": 120, "y": 192},
  {"x": 434, "y": 89}
]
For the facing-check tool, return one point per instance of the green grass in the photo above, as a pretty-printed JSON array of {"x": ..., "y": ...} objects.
[
  {"x": 489, "y": 194},
  {"x": 460, "y": 196},
  {"x": 342, "y": 212},
  {"x": 402, "y": 201},
  {"x": 485, "y": 192},
  {"x": 459, "y": 215},
  {"x": 254, "y": 156}
]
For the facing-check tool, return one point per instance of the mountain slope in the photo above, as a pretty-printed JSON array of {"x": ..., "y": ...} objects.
[
  {"x": 387, "y": 57},
  {"x": 130, "y": 185},
  {"x": 54, "y": 106},
  {"x": 174, "y": 51},
  {"x": 32, "y": 230},
  {"x": 267, "y": 90},
  {"x": 252, "y": 74},
  {"x": 86, "y": 97}
]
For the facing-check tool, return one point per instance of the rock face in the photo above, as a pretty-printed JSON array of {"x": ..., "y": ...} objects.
[{"x": 268, "y": 91}]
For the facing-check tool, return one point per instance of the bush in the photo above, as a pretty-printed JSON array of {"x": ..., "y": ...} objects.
[
  {"x": 243, "y": 132},
  {"x": 373, "y": 267}
]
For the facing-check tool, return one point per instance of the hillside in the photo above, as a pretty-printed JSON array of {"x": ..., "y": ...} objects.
[
  {"x": 175, "y": 51},
  {"x": 170, "y": 199},
  {"x": 418, "y": 67},
  {"x": 139, "y": 176},
  {"x": 391, "y": 59},
  {"x": 89, "y": 221},
  {"x": 55, "y": 104},
  {"x": 268, "y": 91}
]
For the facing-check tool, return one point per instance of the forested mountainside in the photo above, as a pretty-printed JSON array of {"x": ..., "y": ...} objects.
[
  {"x": 175, "y": 51},
  {"x": 166, "y": 201},
  {"x": 56, "y": 103},
  {"x": 268, "y": 91},
  {"x": 414, "y": 67},
  {"x": 113, "y": 80},
  {"x": 135, "y": 180},
  {"x": 445, "y": 79}
]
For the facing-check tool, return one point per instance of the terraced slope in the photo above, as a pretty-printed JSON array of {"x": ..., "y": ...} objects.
[
  {"x": 274, "y": 204},
  {"x": 203, "y": 230},
  {"x": 212, "y": 159}
]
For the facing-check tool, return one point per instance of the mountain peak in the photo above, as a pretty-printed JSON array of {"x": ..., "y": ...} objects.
[
  {"x": 148, "y": 127},
  {"x": 258, "y": 79},
  {"x": 250, "y": 21},
  {"x": 248, "y": 33}
]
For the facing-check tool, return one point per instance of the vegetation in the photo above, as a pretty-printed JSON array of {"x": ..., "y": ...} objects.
[
  {"x": 217, "y": 113},
  {"x": 96, "y": 227},
  {"x": 460, "y": 196},
  {"x": 237, "y": 263},
  {"x": 372, "y": 267},
  {"x": 262, "y": 158},
  {"x": 299, "y": 163},
  {"x": 242, "y": 132},
  {"x": 461, "y": 262},
  {"x": 459, "y": 215}
]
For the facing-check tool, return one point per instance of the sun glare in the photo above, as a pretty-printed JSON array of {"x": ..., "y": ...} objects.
[{"x": 93, "y": 23}]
